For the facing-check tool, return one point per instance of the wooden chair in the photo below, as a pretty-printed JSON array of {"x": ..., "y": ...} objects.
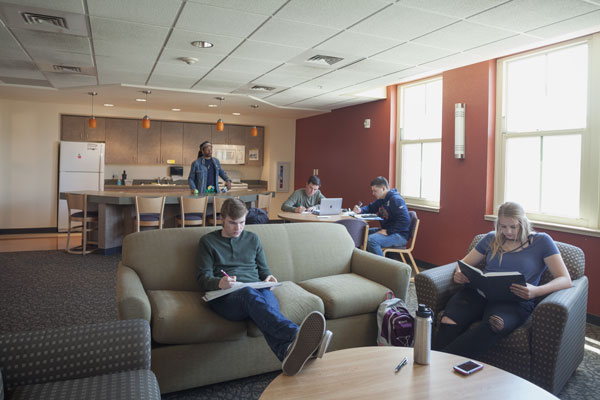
[
  {"x": 358, "y": 230},
  {"x": 193, "y": 211},
  {"x": 79, "y": 202},
  {"x": 264, "y": 202},
  {"x": 412, "y": 239},
  {"x": 149, "y": 211},
  {"x": 217, "y": 204}
]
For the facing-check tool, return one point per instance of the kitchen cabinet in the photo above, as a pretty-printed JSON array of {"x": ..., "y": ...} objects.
[
  {"x": 232, "y": 134},
  {"x": 255, "y": 143},
  {"x": 171, "y": 142},
  {"x": 219, "y": 137},
  {"x": 121, "y": 141},
  {"x": 193, "y": 136},
  {"x": 148, "y": 143},
  {"x": 75, "y": 128}
]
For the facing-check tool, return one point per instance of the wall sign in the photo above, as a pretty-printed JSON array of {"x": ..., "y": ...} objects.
[{"x": 282, "y": 178}]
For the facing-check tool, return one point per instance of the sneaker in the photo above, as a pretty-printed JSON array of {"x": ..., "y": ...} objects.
[
  {"x": 323, "y": 346},
  {"x": 309, "y": 337}
]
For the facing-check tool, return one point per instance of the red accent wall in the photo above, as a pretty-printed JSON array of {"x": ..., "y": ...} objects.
[{"x": 348, "y": 156}]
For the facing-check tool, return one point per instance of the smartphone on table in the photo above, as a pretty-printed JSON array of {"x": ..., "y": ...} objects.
[{"x": 468, "y": 367}]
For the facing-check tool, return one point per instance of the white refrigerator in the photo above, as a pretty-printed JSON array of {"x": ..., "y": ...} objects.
[{"x": 81, "y": 167}]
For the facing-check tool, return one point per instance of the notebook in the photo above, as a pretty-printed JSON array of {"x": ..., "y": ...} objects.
[{"x": 330, "y": 206}]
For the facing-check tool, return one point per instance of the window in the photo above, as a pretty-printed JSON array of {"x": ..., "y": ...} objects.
[
  {"x": 546, "y": 133},
  {"x": 420, "y": 142}
]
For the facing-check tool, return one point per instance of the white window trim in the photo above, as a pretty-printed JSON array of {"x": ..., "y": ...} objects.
[
  {"x": 418, "y": 203},
  {"x": 590, "y": 166}
]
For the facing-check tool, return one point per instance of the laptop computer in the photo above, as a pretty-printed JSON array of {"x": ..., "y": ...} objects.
[{"x": 330, "y": 206}]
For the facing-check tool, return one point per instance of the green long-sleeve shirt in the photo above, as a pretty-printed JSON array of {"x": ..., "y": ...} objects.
[
  {"x": 299, "y": 198},
  {"x": 242, "y": 256}
]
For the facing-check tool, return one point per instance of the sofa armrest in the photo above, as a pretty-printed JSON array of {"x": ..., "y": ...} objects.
[
  {"x": 74, "y": 352},
  {"x": 558, "y": 335},
  {"x": 435, "y": 286},
  {"x": 385, "y": 271},
  {"x": 132, "y": 300}
]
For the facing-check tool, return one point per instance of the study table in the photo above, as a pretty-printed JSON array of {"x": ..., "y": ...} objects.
[
  {"x": 309, "y": 217},
  {"x": 368, "y": 373},
  {"x": 116, "y": 210}
]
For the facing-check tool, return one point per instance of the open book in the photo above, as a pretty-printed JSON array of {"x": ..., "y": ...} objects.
[
  {"x": 213, "y": 294},
  {"x": 493, "y": 285}
]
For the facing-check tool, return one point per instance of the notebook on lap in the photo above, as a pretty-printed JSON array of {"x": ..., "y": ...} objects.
[{"x": 330, "y": 206}]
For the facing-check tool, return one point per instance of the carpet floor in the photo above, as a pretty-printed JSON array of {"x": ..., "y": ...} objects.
[{"x": 46, "y": 289}]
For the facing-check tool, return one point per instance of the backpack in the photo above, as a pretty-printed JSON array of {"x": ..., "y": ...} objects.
[
  {"x": 257, "y": 216},
  {"x": 394, "y": 322}
]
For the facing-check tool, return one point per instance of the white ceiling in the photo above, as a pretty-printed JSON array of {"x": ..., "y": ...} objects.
[{"x": 125, "y": 46}]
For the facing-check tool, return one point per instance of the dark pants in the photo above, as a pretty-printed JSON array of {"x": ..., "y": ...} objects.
[
  {"x": 262, "y": 307},
  {"x": 468, "y": 306}
]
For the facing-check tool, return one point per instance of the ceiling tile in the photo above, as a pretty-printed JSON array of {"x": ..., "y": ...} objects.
[
  {"x": 122, "y": 33},
  {"x": 233, "y": 76},
  {"x": 411, "y": 54},
  {"x": 116, "y": 76},
  {"x": 280, "y": 79},
  {"x": 182, "y": 39},
  {"x": 581, "y": 25},
  {"x": 51, "y": 56},
  {"x": 219, "y": 21},
  {"x": 376, "y": 67},
  {"x": 172, "y": 56},
  {"x": 505, "y": 46},
  {"x": 217, "y": 86},
  {"x": 73, "y": 6},
  {"x": 453, "y": 61},
  {"x": 19, "y": 69},
  {"x": 463, "y": 36},
  {"x": 338, "y": 14},
  {"x": 9, "y": 47},
  {"x": 455, "y": 8},
  {"x": 188, "y": 71},
  {"x": 70, "y": 80},
  {"x": 267, "y": 51},
  {"x": 300, "y": 71},
  {"x": 55, "y": 41},
  {"x": 150, "y": 12},
  {"x": 264, "y": 7},
  {"x": 358, "y": 44},
  {"x": 124, "y": 63},
  {"x": 254, "y": 67},
  {"x": 170, "y": 81},
  {"x": 525, "y": 15},
  {"x": 292, "y": 33},
  {"x": 402, "y": 23}
]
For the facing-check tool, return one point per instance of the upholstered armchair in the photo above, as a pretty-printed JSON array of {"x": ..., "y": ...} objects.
[
  {"x": 102, "y": 361},
  {"x": 548, "y": 347}
]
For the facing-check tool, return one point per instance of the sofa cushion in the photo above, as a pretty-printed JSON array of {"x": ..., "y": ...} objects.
[
  {"x": 346, "y": 294},
  {"x": 295, "y": 304},
  {"x": 183, "y": 317}
]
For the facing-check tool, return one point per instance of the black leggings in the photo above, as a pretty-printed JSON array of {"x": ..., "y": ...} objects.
[{"x": 468, "y": 306}]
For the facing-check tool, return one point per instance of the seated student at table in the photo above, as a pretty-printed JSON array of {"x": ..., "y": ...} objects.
[
  {"x": 513, "y": 246},
  {"x": 305, "y": 199},
  {"x": 391, "y": 208},
  {"x": 231, "y": 255}
]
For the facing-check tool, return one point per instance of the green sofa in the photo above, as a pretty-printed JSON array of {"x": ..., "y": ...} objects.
[{"x": 192, "y": 346}]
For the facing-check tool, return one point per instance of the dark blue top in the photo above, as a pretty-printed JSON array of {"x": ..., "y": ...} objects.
[
  {"x": 529, "y": 260},
  {"x": 210, "y": 175},
  {"x": 393, "y": 212}
]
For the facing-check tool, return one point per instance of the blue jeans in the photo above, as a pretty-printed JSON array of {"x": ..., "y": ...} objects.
[
  {"x": 262, "y": 307},
  {"x": 376, "y": 241}
]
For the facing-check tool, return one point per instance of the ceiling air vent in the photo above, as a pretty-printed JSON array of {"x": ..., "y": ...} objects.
[
  {"x": 262, "y": 88},
  {"x": 33, "y": 18},
  {"x": 67, "y": 69},
  {"x": 324, "y": 60}
]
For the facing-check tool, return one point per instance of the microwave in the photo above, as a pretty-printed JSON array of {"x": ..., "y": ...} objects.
[{"x": 229, "y": 153}]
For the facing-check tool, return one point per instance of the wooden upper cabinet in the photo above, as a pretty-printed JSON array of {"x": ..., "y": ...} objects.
[
  {"x": 219, "y": 137},
  {"x": 121, "y": 141},
  {"x": 193, "y": 136},
  {"x": 171, "y": 142},
  {"x": 237, "y": 134},
  {"x": 75, "y": 129},
  {"x": 148, "y": 143},
  {"x": 255, "y": 143}
]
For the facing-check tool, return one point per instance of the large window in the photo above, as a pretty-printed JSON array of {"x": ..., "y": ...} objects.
[
  {"x": 420, "y": 142},
  {"x": 547, "y": 134}
]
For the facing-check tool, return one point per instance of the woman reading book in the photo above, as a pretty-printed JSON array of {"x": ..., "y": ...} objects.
[{"x": 513, "y": 246}]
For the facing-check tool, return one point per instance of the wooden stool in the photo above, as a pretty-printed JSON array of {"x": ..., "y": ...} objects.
[{"x": 149, "y": 211}]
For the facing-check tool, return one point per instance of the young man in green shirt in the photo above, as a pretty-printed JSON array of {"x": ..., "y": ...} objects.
[
  {"x": 305, "y": 199},
  {"x": 233, "y": 255}
]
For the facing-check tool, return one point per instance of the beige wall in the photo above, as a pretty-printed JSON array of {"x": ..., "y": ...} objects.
[{"x": 29, "y": 136}]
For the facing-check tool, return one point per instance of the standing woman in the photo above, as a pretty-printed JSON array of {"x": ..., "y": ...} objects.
[{"x": 513, "y": 246}]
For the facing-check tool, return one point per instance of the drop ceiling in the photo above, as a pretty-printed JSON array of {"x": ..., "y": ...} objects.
[{"x": 121, "y": 47}]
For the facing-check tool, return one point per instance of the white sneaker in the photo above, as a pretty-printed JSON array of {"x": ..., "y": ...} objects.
[
  {"x": 309, "y": 337},
  {"x": 324, "y": 344}
]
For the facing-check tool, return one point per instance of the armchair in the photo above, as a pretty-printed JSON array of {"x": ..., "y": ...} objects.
[
  {"x": 548, "y": 347},
  {"x": 102, "y": 361}
]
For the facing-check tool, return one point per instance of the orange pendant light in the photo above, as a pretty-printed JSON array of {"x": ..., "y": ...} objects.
[
  {"x": 146, "y": 119},
  {"x": 254, "y": 130},
  {"x": 92, "y": 121},
  {"x": 220, "y": 123}
]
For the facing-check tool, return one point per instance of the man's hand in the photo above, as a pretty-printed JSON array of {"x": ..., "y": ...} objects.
[
  {"x": 299, "y": 209},
  {"x": 459, "y": 277},
  {"x": 357, "y": 210},
  {"x": 383, "y": 232},
  {"x": 524, "y": 292},
  {"x": 228, "y": 184},
  {"x": 270, "y": 278},
  {"x": 311, "y": 209},
  {"x": 226, "y": 282}
]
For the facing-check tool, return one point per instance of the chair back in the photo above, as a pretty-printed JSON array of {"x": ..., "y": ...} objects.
[
  {"x": 358, "y": 230},
  {"x": 149, "y": 205},
  {"x": 217, "y": 204},
  {"x": 77, "y": 202},
  {"x": 193, "y": 204},
  {"x": 413, "y": 229},
  {"x": 264, "y": 202}
]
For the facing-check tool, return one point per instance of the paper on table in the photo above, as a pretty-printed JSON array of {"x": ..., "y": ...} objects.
[{"x": 213, "y": 294}]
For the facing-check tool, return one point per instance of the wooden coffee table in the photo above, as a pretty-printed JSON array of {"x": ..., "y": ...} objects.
[
  {"x": 368, "y": 373},
  {"x": 297, "y": 217}
]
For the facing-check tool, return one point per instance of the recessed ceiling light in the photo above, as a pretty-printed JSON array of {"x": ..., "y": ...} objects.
[
  {"x": 202, "y": 44},
  {"x": 236, "y": 114},
  {"x": 212, "y": 105},
  {"x": 108, "y": 105},
  {"x": 142, "y": 100},
  {"x": 175, "y": 109}
]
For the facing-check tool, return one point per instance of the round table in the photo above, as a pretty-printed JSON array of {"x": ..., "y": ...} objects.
[
  {"x": 368, "y": 373},
  {"x": 298, "y": 217}
]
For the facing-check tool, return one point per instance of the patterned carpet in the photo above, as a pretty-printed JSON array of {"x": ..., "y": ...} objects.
[{"x": 44, "y": 289}]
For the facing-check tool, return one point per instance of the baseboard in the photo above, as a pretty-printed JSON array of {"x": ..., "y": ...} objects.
[
  {"x": 593, "y": 319},
  {"x": 21, "y": 231}
]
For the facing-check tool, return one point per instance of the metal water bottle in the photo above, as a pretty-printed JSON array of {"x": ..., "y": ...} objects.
[{"x": 422, "y": 346}]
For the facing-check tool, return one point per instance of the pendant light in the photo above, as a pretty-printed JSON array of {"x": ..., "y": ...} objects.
[
  {"x": 220, "y": 124},
  {"x": 254, "y": 130},
  {"x": 92, "y": 120},
  {"x": 146, "y": 119}
]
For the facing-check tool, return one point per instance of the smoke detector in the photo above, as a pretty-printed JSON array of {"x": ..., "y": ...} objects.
[{"x": 189, "y": 60}]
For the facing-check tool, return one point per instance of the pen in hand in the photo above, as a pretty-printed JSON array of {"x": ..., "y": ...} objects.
[
  {"x": 402, "y": 364},
  {"x": 226, "y": 274}
]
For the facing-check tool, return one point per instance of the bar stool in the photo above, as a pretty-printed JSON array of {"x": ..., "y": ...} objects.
[
  {"x": 193, "y": 211},
  {"x": 217, "y": 204},
  {"x": 149, "y": 211},
  {"x": 85, "y": 217}
]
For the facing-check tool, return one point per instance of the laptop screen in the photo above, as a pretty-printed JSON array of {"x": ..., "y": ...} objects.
[{"x": 331, "y": 206}]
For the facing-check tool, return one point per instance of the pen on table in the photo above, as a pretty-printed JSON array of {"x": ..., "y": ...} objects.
[{"x": 402, "y": 364}]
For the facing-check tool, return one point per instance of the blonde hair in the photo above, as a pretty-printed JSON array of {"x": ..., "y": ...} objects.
[{"x": 515, "y": 211}]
